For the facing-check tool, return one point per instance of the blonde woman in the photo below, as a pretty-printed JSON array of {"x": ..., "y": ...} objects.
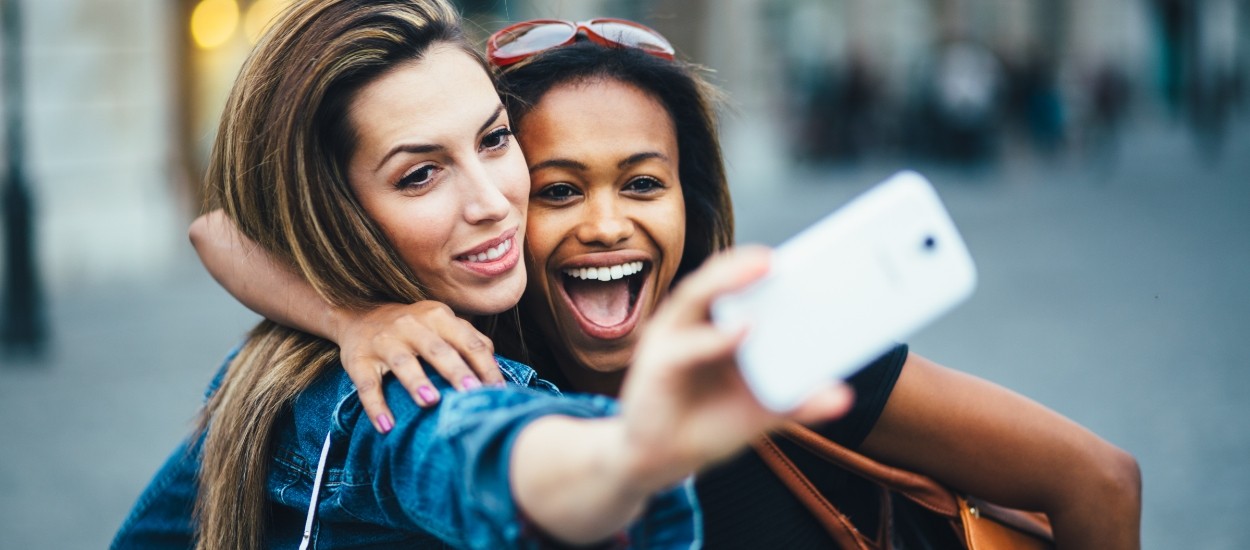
[{"x": 364, "y": 144}]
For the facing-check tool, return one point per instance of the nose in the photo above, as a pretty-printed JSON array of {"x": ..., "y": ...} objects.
[
  {"x": 485, "y": 201},
  {"x": 605, "y": 223}
]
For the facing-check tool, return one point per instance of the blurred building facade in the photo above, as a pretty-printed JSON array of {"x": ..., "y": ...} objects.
[
  {"x": 100, "y": 104},
  {"x": 123, "y": 95}
]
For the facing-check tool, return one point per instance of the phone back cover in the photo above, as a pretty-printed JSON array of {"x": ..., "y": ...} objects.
[{"x": 845, "y": 290}]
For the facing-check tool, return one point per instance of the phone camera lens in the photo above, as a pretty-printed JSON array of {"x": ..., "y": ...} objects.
[{"x": 930, "y": 243}]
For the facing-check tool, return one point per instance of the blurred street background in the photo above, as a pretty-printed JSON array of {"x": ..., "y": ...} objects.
[{"x": 1095, "y": 154}]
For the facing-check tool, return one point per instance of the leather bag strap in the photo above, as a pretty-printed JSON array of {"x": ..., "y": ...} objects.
[
  {"x": 920, "y": 489},
  {"x": 985, "y": 525},
  {"x": 834, "y": 521}
]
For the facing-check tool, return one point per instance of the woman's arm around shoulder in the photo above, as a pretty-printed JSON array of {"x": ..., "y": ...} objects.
[
  {"x": 388, "y": 338},
  {"x": 986, "y": 440}
]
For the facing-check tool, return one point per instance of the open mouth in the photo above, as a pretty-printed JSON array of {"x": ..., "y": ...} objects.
[{"x": 606, "y": 297}]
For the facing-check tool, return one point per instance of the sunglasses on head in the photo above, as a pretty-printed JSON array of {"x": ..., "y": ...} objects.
[{"x": 526, "y": 39}]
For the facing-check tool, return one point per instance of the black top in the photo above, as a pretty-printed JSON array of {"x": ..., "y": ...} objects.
[{"x": 745, "y": 505}]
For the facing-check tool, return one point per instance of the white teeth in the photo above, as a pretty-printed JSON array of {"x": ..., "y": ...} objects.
[
  {"x": 492, "y": 254},
  {"x": 609, "y": 273}
]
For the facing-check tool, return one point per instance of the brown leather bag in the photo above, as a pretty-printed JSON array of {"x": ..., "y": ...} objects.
[{"x": 979, "y": 525}]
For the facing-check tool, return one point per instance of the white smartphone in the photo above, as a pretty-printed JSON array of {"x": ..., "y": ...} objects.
[{"x": 845, "y": 290}]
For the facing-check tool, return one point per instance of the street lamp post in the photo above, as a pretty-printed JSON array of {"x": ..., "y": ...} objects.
[{"x": 23, "y": 327}]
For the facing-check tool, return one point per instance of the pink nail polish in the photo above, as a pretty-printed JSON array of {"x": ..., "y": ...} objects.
[
  {"x": 384, "y": 422},
  {"x": 428, "y": 395},
  {"x": 470, "y": 383}
]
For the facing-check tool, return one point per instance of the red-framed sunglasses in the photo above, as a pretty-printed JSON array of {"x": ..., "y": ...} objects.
[{"x": 522, "y": 40}]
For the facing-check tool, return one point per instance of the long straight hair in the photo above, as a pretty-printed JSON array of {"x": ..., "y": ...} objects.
[{"x": 278, "y": 171}]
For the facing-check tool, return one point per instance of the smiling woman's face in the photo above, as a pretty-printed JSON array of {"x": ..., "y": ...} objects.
[
  {"x": 436, "y": 168},
  {"x": 606, "y": 222}
]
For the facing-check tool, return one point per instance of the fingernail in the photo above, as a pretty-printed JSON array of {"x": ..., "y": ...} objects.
[
  {"x": 427, "y": 394},
  {"x": 470, "y": 383},
  {"x": 384, "y": 422},
  {"x": 499, "y": 385}
]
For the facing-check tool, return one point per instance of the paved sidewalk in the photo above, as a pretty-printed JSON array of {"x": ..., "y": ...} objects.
[{"x": 85, "y": 429}]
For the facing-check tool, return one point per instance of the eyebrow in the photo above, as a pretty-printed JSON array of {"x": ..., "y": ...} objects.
[
  {"x": 559, "y": 163},
  {"x": 418, "y": 149},
  {"x": 568, "y": 164},
  {"x": 637, "y": 158}
]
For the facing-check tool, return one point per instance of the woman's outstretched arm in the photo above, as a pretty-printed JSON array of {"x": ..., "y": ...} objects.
[
  {"x": 684, "y": 405},
  {"x": 387, "y": 338},
  {"x": 981, "y": 438},
  {"x": 576, "y": 469}
]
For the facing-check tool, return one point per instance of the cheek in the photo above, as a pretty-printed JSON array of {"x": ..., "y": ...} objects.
[
  {"x": 673, "y": 240},
  {"x": 417, "y": 233},
  {"x": 418, "y": 249},
  {"x": 515, "y": 181},
  {"x": 541, "y": 237},
  {"x": 675, "y": 218}
]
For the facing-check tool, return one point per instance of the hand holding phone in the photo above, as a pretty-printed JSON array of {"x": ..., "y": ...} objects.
[{"x": 846, "y": 289}]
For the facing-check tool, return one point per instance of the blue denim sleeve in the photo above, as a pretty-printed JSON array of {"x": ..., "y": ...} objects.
[
  {"x": 445, "y": 470},
  {"x": 163, "y": 516}
]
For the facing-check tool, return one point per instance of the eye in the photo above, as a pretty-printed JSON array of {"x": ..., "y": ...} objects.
[
  {"x": 644, "y": 184},
  {"x": 558, "y": 192},
  {"x": 497, "y": 139},
  {"x": 417, "y": 179}
]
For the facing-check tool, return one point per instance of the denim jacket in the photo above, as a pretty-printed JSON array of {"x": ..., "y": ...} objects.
[{"x": 439, "y": 479}]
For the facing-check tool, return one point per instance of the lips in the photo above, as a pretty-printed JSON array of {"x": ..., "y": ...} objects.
[
  {"x": 603, "y": 294},
  {"x": 492, "y": 258}
]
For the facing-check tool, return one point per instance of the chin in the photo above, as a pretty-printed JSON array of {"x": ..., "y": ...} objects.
[
  {"x": 611, "y": 358},
  {"x": 595, "y": 348},
  {"x": 497, "y": 299}
]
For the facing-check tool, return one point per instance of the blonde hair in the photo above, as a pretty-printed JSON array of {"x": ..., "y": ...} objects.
[{"x": 278, "y": 171}]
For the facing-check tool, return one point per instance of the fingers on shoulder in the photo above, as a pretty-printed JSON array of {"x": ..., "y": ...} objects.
[{"x": 368, "y": 383}]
